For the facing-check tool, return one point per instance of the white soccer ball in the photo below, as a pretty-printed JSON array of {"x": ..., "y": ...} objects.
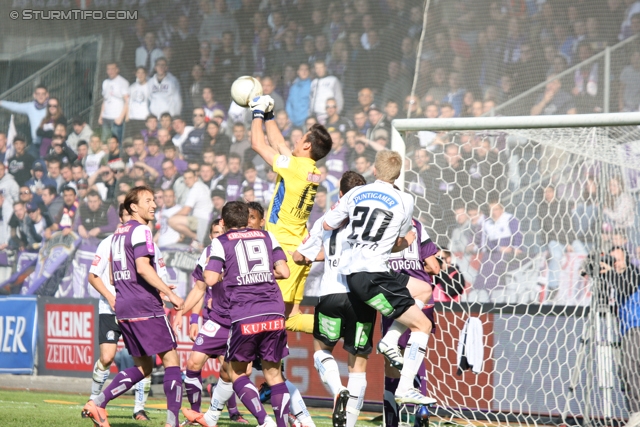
[{"x": 244, "y": 89}]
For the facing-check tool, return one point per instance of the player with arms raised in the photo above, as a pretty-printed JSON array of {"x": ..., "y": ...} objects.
[
  {"x": 380, "y": 221},
  {"x": 139, "y": 310},
  {"x": 298, "y": 180}
]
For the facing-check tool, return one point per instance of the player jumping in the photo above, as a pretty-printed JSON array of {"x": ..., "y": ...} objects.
[
  {"x": 296, "y": 185},
  {"x": 140, "y": 313},
  {"x": 419, "y": 261},
  {"x": 380, "y": 221},
  {"x": 339, "y": 315},
  {"x": 109, "y": 330}
]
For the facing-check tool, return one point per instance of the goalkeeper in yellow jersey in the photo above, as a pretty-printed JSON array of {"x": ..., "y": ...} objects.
[{"x": 298, "y": 180}]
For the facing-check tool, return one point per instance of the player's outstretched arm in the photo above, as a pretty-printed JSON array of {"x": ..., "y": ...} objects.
[
  {"x": 195, "y": 297},
  {"x": 276, "y": 140},
  {"x": 149, "y": 274},
  {"x": 259, "y": 106},
  {"x": 99, "y": 286},
  {"x": 431, "y": 265}
]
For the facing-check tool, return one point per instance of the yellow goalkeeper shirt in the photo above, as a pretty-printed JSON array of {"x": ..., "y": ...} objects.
[{"x": 296, "y": 186}]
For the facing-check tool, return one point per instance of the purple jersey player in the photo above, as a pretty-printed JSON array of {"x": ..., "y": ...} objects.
[
  {"x": 209, "y": 341},
  {"x": 139, "y": 310},
  {"x": 419, "y": 261},
  {"x": 252, "y": 260}
]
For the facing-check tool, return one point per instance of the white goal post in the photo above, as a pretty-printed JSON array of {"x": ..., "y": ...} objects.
[{"x": 569, "y": 187}]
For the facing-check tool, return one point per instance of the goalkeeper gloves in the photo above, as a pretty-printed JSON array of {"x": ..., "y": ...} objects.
[{"x": 262, "y": 107}]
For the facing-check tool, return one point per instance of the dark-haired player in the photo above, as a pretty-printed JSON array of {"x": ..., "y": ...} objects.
[
  {"x": 209, "y": 341},
  {"x": 338, "y": 315},
  {"x": 296, "y": 185},
  {"x": 256, "y": 215},
  {"x": 251, "y": 261},
  {"x": 140, "y": 313},
  {"x": 109, "y": 330}
]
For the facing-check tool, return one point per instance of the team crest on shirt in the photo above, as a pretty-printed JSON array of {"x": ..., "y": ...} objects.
[
  {"x": 96, "y": 261},
  {"x": 111, "y": 336}
]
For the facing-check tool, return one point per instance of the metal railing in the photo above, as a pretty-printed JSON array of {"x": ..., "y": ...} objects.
[
  {"x": 72, "y": 78},
  {"x": 603, "y": 57}
]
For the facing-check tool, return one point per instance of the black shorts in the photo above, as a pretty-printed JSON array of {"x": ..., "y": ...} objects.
[
  {"x": 384, "y": 291},
  {"x": 108, "y": 329},
  {"x": 344, "y": 316}
]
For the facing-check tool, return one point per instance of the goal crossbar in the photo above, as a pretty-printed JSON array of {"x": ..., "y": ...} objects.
[{"x": 513, "y": 122}]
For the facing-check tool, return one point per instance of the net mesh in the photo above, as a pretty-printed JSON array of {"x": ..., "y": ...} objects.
[{"x": 522, "y": 211}]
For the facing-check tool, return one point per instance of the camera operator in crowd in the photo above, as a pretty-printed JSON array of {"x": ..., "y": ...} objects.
[{"x": 621, "y": 280}]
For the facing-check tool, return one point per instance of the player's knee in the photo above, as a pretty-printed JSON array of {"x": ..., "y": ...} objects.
[
  {"x": 224, "y": 376},
  {"x": 193, "y": 365},
  {"x": 106, "y": 360}
]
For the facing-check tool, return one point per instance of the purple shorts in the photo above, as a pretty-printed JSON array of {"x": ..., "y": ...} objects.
[
  {"x": 212, "y": 339},
  {"x": 404, "y": 338},
  {"x": 260, "y": 337},
  {"x": 146, "y": 337}
]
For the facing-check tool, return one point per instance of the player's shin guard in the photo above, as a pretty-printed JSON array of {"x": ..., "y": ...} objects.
[
  {"x": 280, "y": 401},
  {"x": 193, "y": 384},
  {"x": 120, "y": 384},
  {"x": 327, "y": 367},
  {"x": 390, "y": 405},
  {"x": 142, "y": 394},
  {"x": 100, "y": 375},
  {"x": 300, "y": 323},
  {"x": 413, "y": 358},
  {"x": 357, "y": 386},
  {"x": 250, "y": 397},
  {"x": 221, "y": 395},
  {"x": 173, "y": 391},
  {"x": 298, "y": 407}
]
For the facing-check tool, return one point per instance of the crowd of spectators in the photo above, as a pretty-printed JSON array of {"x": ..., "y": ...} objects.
[{"x": 166, "y": 118}]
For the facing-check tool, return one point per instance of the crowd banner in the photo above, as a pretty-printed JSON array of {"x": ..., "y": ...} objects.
[
  {"x": 68, "y": 344},
  {"x": 51, "y": 265},
  {"x": 18, "y": 332}
]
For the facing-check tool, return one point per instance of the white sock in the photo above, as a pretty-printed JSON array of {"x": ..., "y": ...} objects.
[
  {"x": 100, "y": 375},
  {"x": 297, "y": 405},
  {"x": 142, "y": 393},
  {"x": 413, "y": 357},
  {"x": 390, "y": 339},
  {"x": 328, "y": 369},
  {"x": 357, "y": 386},
  {"x": 219, "y": 397},
  {"x": 419, "y": 303}
]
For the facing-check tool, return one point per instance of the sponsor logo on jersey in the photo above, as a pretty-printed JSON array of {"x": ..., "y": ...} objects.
[
  {"x": 258, "y": 327},
  {"x": 245, "y": 235},
  {"x": 161, "y": 263},
  {"x": 283, "y": 162},
  {"x": 312, "y": 177},
  {"x": 96, "y": 261},
  {"x": 149, "y": 241},
  {"x": 385, "y": 199}
]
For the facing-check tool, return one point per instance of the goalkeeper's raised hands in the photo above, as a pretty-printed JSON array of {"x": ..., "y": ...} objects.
[{"x": 262, "y": 107}]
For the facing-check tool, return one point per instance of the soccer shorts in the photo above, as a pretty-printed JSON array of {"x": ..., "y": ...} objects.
[
  {"x": 261, "y": 336},
  {"x": 293, "y": 288},
  {"x": 340, "y": 315},
  {"x": 149, "y": 336},
  {"x": 212, "y": 339},
  {"x": 108, "y": 329},
  {"x": 385, "y": 291}
]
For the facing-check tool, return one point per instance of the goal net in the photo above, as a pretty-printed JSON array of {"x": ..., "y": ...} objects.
[{"x": 522, "y": 208}]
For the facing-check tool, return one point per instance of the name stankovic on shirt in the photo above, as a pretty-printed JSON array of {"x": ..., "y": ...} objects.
[{"x": 375, "y": 195}]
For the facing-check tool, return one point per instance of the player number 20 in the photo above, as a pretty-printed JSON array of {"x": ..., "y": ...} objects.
[
  {"x": 252, "y": 250},
  {"x": 368, "y": 222}
]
